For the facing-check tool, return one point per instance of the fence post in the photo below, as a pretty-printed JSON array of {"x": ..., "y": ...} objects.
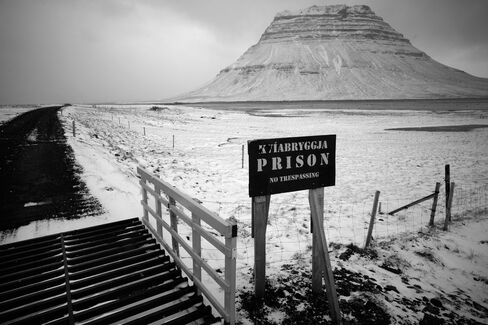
[
  {"x": 447, "y": 181},
  {"x": 144, "y": 130},
  {"x": 448, "y": 208},
  {"x": 317, "y": 267},
  {"x": 173, "y": 141},
  {"x": 371, "y": 221},
  {"x": 242, "y": 156},
  {"x": 316, "y": 200},
  {"x": 260, "y": 216},
  {"x": 74, "y": 129},
  {"x": 197, "y": 245},
  {"x": 144, "y": 199},
  {"x": 230, "y": 276},
  {"x": 159, "y": 212},
  {"x": 434, "y": 204},
  {"x": 174, "y": 225}
]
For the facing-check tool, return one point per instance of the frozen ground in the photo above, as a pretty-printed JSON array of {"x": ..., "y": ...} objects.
[
  {"x": 206, "y": 163},
  {"x": 8, "y": 112},
  {"x": 434, "y": 278}
]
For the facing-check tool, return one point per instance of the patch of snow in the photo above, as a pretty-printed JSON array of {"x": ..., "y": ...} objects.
[
  {"x": 8, "y": 112},
  {"x": 117, "y": 189},
  {"x": 270, "y": 57},
  {"x": 33, "y": 204},
  {"x": 324, "y": 54},
  {"x": 32, "y": 137},
  {"x": 337, "y": 61}
]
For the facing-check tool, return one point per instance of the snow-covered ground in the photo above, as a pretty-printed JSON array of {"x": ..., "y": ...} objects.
[
  {"x": 206, "y": 163},
  {"x": 200, "y": 152},
  {"x": 8, "y": 112},
  {"x": 416, "y": 278}
]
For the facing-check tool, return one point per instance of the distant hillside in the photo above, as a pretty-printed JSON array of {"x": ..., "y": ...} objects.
[{"x": 335, "y": 52}]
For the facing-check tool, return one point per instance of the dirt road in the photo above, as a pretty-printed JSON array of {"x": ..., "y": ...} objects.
[{"x": 39, "y": 178}]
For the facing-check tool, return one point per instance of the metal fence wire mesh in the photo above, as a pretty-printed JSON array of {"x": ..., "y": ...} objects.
[{"x": 288, "y": 231}]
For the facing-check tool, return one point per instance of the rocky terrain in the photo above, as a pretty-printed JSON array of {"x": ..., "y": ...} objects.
[{"x": 333, "y": 53}]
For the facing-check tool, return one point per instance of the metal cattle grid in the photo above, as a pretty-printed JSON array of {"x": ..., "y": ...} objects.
[{"x": 113, "y": 273}]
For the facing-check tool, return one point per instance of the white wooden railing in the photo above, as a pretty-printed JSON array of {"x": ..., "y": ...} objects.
[{"x": 172, "y": 199}]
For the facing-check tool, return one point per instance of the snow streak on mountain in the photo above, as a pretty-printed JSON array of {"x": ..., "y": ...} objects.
[{"x": 331, "y": 53}]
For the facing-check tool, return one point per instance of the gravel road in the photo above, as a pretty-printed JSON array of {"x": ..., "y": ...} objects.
[{"x": 39, "y": 178}]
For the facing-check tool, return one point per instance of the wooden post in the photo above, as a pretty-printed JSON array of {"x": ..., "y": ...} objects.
[
  {"x": 159, "y": 212},
  {"x": 317, "y": 265},
  {"x": 144, "y": 199},
  {"x": 260, "y": 216},
  {"x": 448, "y": 208},
  {"x": 434, "y": 204},
  {"x": 242, "y": 156},
  {"x": 197, "y": 245},
  {"x": 174, "y": 225},
  {"x": 230, "y": 278},
  {"x": 371, "y": 221},
  {"x": 425, "y": 198},
  {"x": 252, "y": 218},
  {"x": 144, "y": 130},
  {"x": 74, "y": 129},
  {"x": 447, "y": 181},
  {"x": 252, "y": 215},
  {"x": 173, "y": 141},
  {"x": 316, "y": 199}
]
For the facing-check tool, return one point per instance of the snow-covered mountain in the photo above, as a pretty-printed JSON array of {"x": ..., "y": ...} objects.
[{"x": 335, "y": 52}]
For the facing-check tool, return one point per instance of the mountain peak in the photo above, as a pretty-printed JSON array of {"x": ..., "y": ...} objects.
[
  {"x": 341, "y": 10},
  {"x": 331, "y": 53},
  {"x": 330, "y": 22}
]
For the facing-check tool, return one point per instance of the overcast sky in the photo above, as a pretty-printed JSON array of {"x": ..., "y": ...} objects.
[{"x": 54, "y": 51}]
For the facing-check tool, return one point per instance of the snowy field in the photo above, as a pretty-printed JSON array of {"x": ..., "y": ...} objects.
[
  {"x": 206, "y": 163},
  {"x": 8, "y": 112},
  {"x": 200, "y": 151}
]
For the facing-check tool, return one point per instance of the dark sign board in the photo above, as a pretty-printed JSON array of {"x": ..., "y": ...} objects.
[{"x": 291, "y": 164}]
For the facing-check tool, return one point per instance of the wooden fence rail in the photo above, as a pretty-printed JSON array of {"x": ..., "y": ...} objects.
[
  {"x": 428, "y": 197},
  {"x": 228, "y": 229}
]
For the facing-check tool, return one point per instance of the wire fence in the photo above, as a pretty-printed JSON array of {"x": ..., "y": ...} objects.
[{"x": 288, "y": 231}]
